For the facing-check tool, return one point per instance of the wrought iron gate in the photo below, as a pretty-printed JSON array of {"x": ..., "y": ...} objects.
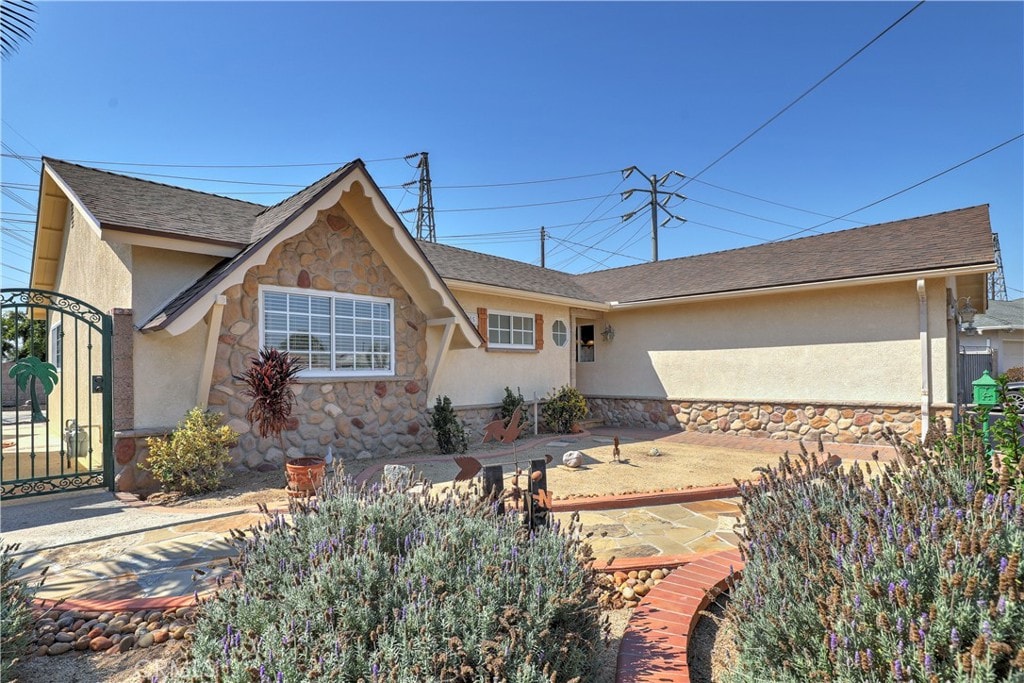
[
  {"x": 973, "y": 362},
  {"x": 55, "y": 394}
]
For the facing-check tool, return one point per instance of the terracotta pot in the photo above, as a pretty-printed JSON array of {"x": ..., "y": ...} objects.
[{"x": 304, "y": 475}]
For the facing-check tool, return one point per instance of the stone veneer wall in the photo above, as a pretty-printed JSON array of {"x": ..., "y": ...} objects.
[
  {"x": 359, "y": 417},
  {"x": 785, "y": 421}
]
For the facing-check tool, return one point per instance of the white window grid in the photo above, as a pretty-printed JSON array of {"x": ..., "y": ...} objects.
[
  {"x": 510, "y": 330},
  {"x": 328, "y": 333},
  {"x": 559, "y": 333}
]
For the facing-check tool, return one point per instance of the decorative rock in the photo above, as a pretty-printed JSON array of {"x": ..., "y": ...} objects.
[
  {"x": 398, "y": 476},
  {"x": 657, "y": 574},
  {"x": 83, "y": 643},
  {"x": 100, "y": 644},
  {"x": 64, "y": 637},
  {"x": 58, "y": 648},
  {"x": 161, "y": 636},
  {"x": 145, "y": 640},
  {"x": 47, "y": 640},
  {"x": 179, "y": 632},
  {"x": 572, "y": 459},
  {"x": 628, "y": 593},
  {"x": 127, "y": 643}
]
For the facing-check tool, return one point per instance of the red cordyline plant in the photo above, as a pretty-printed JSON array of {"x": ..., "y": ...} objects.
[{"x": 269, "y": 379}]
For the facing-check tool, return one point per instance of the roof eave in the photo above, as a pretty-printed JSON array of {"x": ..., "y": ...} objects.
[
  {"x": 976, "y": 269},
  {"x": 483, "y": 288}
]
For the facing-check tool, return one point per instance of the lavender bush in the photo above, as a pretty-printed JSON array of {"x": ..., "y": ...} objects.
[
  {"x": 375, "y": 585},
  {"x": 15, "y": 611},
  {"x": 911, "y": 572}
]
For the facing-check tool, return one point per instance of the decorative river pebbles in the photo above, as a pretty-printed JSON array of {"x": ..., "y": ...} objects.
[
  {"x": 57, "y": 632},
  {"x": 626, "y": 589}
]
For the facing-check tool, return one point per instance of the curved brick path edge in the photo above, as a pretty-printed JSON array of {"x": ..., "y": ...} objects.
[{"x": 654, "y": 646}]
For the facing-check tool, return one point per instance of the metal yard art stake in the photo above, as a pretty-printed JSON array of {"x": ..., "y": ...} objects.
[{"x": 537, "y": 502}]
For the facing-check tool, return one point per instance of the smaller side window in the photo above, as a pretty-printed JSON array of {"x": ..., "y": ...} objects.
[
  {"x": 585, "y": 344},
  {"x": 56, "y": 354},
  {"x": 559, "y": 333}
]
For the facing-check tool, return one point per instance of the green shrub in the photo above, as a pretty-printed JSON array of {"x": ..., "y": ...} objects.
[
  {"x": 510, "y": 404},
  {"x": 911, "y": 573},
  {"x": 448, "y": 430},
  {"x": 378, "y": 585},
  {"x": 16, "y": 616},
  {"x": 193, "y": 460},
  {"x": 565, "y": 407}
]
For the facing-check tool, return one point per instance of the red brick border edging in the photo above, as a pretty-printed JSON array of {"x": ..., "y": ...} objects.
[{"x": 654, "y": 646}]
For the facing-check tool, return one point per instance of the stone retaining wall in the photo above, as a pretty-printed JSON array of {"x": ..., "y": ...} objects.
[{"x": 785, "y": 421}]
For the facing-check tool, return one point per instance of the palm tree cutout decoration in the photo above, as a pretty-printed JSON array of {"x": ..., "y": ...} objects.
[{"x": 39, "y": 372}]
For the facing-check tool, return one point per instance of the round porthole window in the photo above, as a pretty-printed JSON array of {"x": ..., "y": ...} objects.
[{"x": 559, "y": 333}]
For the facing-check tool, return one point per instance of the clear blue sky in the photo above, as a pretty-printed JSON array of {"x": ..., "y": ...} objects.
[{"x": 500, "y": 93}]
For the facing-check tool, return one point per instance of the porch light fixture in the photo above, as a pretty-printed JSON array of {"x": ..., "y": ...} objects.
[
  {"x": 965, "y": 313},
  {"x": 609, "y": 333}
]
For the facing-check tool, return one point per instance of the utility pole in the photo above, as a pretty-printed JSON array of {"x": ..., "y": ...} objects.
[
  {"x": 543, "y": 234},
  {"x": 654, "y": 202},
  {"x": 997, "y": 278},
  {"x": 425, "y": 207}
]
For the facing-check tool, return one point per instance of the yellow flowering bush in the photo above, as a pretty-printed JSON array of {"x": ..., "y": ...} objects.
[{"x": 195, "y": 457}]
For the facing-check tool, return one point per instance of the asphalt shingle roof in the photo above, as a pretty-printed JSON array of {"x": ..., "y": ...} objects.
[
  {"x": 962, "y": 237},
  {"x": 957, "y": 238},
  {"x": 471, "y": 266},
  {"x": 123, "y": 202},
  {"x": 1002, "y": 314}
]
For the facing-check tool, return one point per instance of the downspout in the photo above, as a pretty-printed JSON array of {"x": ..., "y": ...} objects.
[
  {"x": 922, "y": 298},
  {"x": 212, "y": 336}
]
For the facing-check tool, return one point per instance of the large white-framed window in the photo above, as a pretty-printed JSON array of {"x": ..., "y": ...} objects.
[
  {"x": 330, "y": 333},
  {"x": 507, "y": 330}
]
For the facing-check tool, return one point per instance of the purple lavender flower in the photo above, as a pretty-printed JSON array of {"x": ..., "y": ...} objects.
[
  {"x": 856, "y": 601},
  {"x": 897, "y": 670},
  {"x": 954, "y": 638},
  {"x": 870, "y": 657},
  {"x": 986, "y": 629},
  {"x": 833, "y": 641},
  {"x": 1003, "y": 564}
]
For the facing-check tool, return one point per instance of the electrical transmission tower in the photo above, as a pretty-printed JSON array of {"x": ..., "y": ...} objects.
[
  {"x": 997, "y": 278},
  {"x": 425, "y": 209},
  {"x": 654, "y": 203}
]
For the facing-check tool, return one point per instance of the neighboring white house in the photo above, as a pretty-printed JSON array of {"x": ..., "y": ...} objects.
[
  {"x": 834, "y": 336},
  {"x": 999, "y": 332}
]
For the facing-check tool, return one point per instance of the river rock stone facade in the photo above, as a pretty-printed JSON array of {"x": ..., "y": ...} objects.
[
  {"x": 784, "y": 421},
  {"x": 359, "y": 417}
]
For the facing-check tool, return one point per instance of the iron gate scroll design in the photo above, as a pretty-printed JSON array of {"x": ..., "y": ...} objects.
[{"x": 56, "y": 349}]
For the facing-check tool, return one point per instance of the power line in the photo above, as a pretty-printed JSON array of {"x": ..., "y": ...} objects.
[
  {"x": 525, "y": 182},
  {"x": 523, "y": 206},
  {"x": 10, "y": 267},
  {"x": 334, "y": 164},
  {"x": 806, "y": 92},
  {"x": 769, "y": 201},
  {"x": 904, "y": 190}
]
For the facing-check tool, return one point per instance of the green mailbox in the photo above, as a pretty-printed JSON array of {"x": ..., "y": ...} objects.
[{"x": 986, "y": 391}]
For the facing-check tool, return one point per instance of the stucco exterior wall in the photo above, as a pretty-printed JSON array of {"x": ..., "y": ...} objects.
[
  {"x": 478, "y": 377},
  {"x": 359, "y": 417},
  {"x": 166, "y": 368},
  {"x": 98, "y": 273},
  {"x": 1006, "y": 345},
  {"x": 161, "y": 274},
  {"x": 826, "y": 347}
]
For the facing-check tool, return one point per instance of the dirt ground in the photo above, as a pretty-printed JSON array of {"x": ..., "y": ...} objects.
[{"x": 669, "y": 466}]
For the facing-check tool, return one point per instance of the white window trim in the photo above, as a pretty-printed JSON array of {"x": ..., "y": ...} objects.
[
  {"x": 565, "y": 334},
  {"x": 514, "y": 314},
  {"x": 317, "y": 372},
  {"x": 55, "y": 332}
]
